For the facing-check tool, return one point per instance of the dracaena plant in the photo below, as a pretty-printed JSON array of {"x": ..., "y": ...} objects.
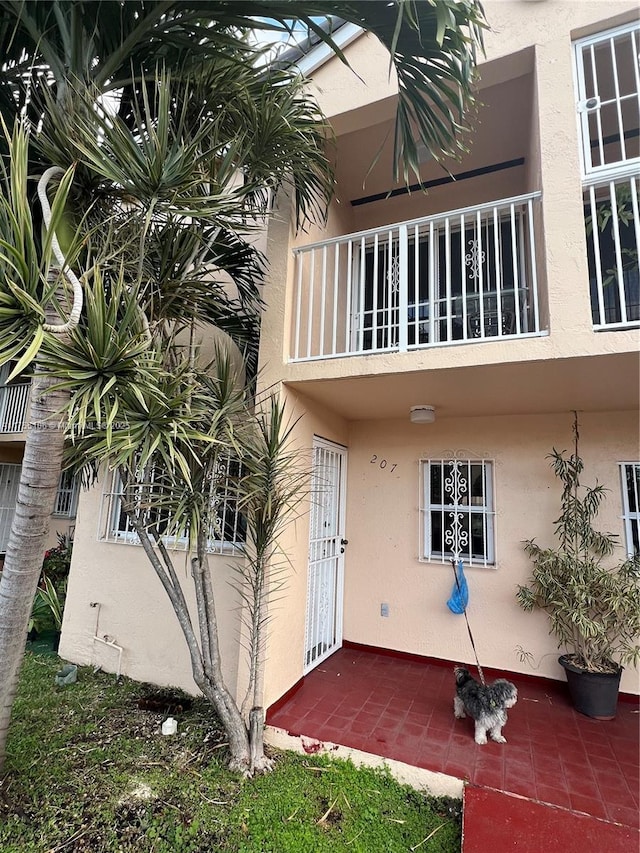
[{"x": 592, "y": 605}]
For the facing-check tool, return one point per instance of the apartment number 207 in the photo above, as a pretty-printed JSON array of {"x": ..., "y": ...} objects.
[{"x": 382, "y": 463}]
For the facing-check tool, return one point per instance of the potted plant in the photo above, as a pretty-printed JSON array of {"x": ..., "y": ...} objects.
[{"x": 593, "y": 606}]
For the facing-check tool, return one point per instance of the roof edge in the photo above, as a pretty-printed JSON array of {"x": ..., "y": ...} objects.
[{"x": 321, "y": 52}]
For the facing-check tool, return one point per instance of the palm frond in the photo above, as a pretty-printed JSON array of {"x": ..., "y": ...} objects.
[{"x": 114, "y": 46}]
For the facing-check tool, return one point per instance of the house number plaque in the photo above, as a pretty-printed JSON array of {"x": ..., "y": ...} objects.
[{"x": 383, "y": 464}]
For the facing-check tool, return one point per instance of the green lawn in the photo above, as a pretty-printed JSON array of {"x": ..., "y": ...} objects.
[{"x": 87, "y": 770}]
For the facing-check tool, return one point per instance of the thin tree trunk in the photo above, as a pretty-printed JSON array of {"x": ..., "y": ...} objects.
[
  {"x": 175, "y": 595},
  {"x": 205, "y": 668},
  {"x": 215, "y": 689},
  {"x": 41, "y": 467},
  {"x": 259, "y": 761}
]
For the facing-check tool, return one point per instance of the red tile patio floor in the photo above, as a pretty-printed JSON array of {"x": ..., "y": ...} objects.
[
  {"x": 403, "y": 709},
  {"x": 505, "y": 823}
]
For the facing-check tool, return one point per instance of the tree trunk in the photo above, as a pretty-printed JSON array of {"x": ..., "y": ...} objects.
[
  {"x": 41, "y": 467},
  {"x": 234, "y": 727},
  {"x": 206, "y": 666},
  {"x": 215, "y": 689}
]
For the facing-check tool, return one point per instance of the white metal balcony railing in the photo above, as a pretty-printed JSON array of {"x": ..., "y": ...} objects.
[
  {"x": 14, "y": 401},
  {"x": 613, "y": 238},
  {"x": 462, "y": 276}
]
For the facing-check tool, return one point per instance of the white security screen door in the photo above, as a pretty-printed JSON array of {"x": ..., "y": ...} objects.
[
  {"x": 323, "y": 629},
  {"x": 9, "y": 480}
]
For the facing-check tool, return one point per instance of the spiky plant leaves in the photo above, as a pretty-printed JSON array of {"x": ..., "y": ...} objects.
[
  {"x": 159, "y": 163},
  {"x": 199, "y": 270},
  {"x": 106, "y": 353},
  {"x": 216, "y": 411},
  {"x": 432, "y": 46},
  {"x": 284, "y": 137},
  {"x": 26, "y": 287},
  {"x": 216, "y": 144},
  {"x": 273, "y": 484}
]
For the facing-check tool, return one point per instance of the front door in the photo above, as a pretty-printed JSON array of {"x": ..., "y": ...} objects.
[{"x": 323, "y": 630}]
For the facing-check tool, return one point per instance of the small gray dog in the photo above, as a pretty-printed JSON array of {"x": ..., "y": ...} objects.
[{"x": 486, "y": 704}]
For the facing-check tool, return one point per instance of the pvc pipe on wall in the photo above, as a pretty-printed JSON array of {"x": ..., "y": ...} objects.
[{"x": 105, "y": 639}]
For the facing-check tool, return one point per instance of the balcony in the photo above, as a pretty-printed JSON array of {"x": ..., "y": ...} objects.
[
  {"x": 613, "y": 237},
  {"x": 14, "y": 402},
  {"x": 460, "y": 277}
]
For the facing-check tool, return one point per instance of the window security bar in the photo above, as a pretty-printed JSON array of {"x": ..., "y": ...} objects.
[
  {"x": 14, "y": 401},
  {"x": 630, "y": 481},
  {"x": 612, "y": 223},
  {"x": 228, "y": 531},
  {"x": 607, "y": 81},
  {"x": 67, "y": 495},
  {"x": 458, "y": 511}
]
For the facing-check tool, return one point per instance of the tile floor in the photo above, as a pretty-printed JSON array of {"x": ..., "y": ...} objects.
[
  {"x": 402, "y": 708},
  {"x": 505, "y": 823}
]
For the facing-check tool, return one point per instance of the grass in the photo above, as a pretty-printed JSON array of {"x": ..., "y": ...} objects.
[{"x": 88, "y": 770}]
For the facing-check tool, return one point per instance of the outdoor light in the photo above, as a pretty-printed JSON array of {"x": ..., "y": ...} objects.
[{"x": 422, "y": 414}]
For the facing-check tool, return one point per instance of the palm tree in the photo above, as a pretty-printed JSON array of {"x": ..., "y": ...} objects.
[
  {"x": 112, "y": 45},
  {"x": 157, "y": 235},
  {"x": 60, "y": 59},
  {"x": 126, "y": 360},
  {"x": 25, "y": 271}
]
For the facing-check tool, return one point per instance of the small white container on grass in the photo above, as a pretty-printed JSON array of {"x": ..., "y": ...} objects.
[{"x": 170, "y": 726}]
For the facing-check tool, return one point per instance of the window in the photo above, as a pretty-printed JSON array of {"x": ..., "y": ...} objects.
[
  {"x": 67, "y": 497},
  {"x": 608, "y": 107},
  {"x": 458, "y": 511},
  {"x": 466, "y": 276},
  {"x": 9, "y": 481},
  {"x": 607, "y": 85},
  {"x": 14, "y": 400},
  {"x": 228, "y": 529},
  {"x": 613, "y": 240},
  {"x": 630, "y": 475}
]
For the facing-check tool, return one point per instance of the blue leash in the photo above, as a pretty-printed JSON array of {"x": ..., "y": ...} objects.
[{"x": 457, "y": 603}]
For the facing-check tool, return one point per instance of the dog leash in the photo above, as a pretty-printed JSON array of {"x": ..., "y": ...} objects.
[{"x": 473, "y": 645}]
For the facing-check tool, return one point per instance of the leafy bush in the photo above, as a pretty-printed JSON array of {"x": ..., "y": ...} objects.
[
  {"x": 593, "y": 609},
  {"x": 48, "y": 605}
]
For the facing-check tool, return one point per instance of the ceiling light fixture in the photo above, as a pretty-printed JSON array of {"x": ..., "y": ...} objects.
[{"x": 422, "y": 414}]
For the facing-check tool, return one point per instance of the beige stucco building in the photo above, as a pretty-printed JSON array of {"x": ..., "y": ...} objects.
[{"x": 488, "y": 303}]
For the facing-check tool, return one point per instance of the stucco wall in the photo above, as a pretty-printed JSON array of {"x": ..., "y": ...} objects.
[
  {"x": 285, "y": 649},
  {"x": 383, "y": 530},
  {"x": 134, "y": 610}
]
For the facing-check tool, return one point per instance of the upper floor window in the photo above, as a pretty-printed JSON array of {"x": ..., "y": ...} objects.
[
  {"x": 612, "y": 223},
  {"x": 608, "y": 93},
  {"x": 14, "y": 400},
  {"x": 630, "y": 473},
  {"x": 458, "y": 511}
]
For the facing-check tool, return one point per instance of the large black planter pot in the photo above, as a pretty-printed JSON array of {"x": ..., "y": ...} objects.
[{"x": 594, "y": 694}]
